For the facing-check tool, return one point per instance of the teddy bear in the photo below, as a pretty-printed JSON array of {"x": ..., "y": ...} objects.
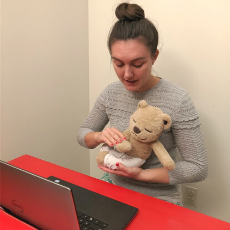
[{"x": 145, "y": 126}]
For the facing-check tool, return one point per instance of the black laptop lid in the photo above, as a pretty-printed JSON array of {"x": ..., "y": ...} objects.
[{"x": 110, "y": 211}]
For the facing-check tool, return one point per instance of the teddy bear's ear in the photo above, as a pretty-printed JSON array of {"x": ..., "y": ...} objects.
[
  {"x": 142, "y": 104},
  {"x": 167, "y": 121}
]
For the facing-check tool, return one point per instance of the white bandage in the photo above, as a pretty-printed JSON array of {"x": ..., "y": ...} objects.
[{"x": 116, "y": 157}]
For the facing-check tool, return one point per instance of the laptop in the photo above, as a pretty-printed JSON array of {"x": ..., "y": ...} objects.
[{"x": 55, "y": 204}]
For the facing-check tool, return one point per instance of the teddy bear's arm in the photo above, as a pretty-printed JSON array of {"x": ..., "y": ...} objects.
[
  {"x": 125, "y": 145},
  {"x": 127, "y": 134},
  {"x": 163, "y": 155}
]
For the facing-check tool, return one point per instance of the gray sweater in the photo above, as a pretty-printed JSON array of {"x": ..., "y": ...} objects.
[{"x": 184, "y": 139}]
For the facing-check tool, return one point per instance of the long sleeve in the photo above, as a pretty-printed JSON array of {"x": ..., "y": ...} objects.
[
  {"x": 95, "y": 121},
  {"x": 193, "y": 166},
  {"x": 188, "y": 138}
]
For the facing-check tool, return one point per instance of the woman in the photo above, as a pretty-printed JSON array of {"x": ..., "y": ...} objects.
[{"x": 132, "y": 44}]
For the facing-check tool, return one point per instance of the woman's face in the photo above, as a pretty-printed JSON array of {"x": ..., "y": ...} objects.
[{"x": 132, "y": 62}]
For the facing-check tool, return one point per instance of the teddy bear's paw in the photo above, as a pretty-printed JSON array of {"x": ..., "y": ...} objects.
[
  {"x": 124, "y": 147},
  {"x": 167, "y": 162},
  {"x": 100, "y": 157},
  {"x": 100, "y": 161},
  {"x": 170, "y": 166}
]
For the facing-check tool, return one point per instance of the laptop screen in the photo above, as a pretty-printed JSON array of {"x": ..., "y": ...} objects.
[{"x": 36, "y": 200}]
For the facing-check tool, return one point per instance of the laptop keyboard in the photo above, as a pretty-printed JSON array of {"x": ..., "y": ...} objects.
[{"x": 87, "y": 222}]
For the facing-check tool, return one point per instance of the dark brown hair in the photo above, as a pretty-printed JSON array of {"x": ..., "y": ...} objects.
[{"x": 132, "y": 24}]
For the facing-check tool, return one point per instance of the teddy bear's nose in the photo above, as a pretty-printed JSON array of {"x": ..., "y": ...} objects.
[{"x": 136, "y": 130}]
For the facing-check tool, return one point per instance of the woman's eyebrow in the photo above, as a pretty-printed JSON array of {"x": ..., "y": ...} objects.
[{"x": 136, "y": 59}]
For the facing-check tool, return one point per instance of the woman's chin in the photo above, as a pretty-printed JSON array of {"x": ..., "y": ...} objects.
[{"x": 132, "y": 88}]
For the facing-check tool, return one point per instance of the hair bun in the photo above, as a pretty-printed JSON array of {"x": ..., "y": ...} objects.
[{"x": 126, "y": 11}]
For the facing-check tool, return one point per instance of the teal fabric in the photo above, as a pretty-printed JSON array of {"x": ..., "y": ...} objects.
[
  {"x": 179, "y": 204},
  {"x": 106, "y": 178}
]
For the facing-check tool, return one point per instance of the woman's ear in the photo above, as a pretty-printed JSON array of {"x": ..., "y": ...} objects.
[{"x": 155, "y": 56}]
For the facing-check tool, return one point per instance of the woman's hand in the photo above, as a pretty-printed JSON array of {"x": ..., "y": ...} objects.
[
  {"x": 131, "y": 172},
  {"x": 155, "y": 175},
  {"x": 111, "y": 136}
]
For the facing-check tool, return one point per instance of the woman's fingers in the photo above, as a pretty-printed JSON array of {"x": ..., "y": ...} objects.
[
  {"x": 112, "y": 136},
  {"x": 119, "y": 136},
  {"x": 132, "y": 172},
  {"x": 117, "y": 172},
  {"x": 129, "y": 171}
]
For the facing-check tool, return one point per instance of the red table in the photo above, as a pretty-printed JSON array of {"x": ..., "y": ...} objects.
[{"x": 153, "y": 213}]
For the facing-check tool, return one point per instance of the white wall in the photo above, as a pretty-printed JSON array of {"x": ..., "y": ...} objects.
[
  {"x": 44, "y": 80},
  {"x": 194, "y": 54}
]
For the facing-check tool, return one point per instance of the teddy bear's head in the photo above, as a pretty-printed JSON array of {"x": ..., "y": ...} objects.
[{"x": 147, "y": 122}]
